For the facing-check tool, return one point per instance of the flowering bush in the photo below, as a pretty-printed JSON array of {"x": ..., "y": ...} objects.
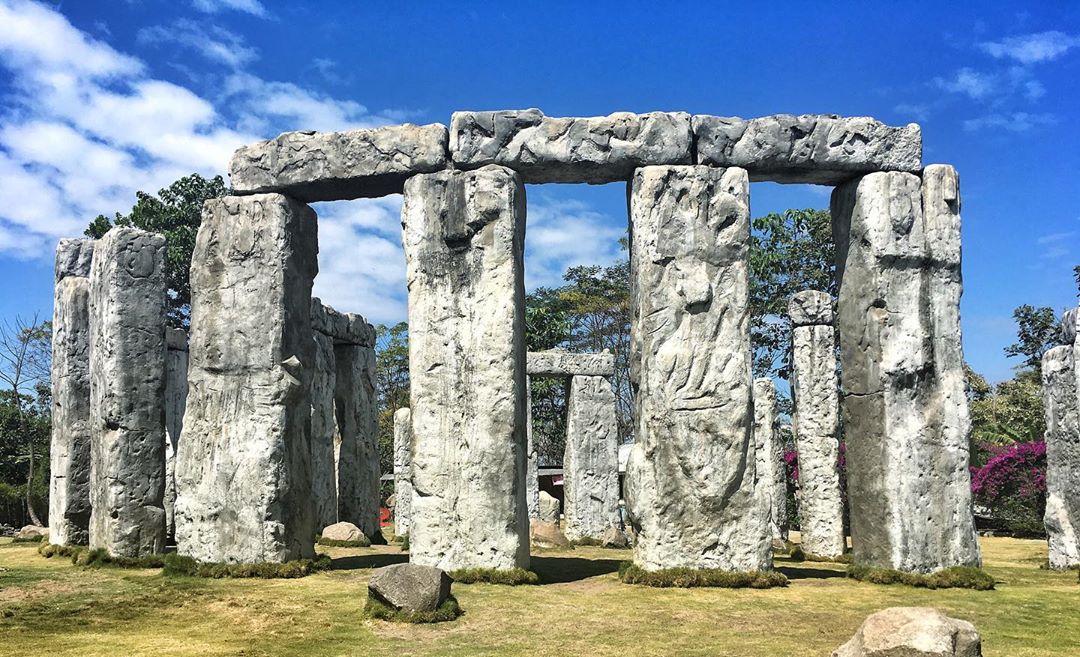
[{"x": 1012, "y": 485}]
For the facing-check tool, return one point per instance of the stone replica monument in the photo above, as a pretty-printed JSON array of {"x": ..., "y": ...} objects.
[
  {"x": 769, "y": 459},
  {"x": 403, "y": 489},
  {"x": 176, "y": 366},
  {"x": 324, "y": 488},
  {"x": 1059, "y": 380},
  {"x": 127, "y": 393},
  {"x": 69, "y": 484},
  {"x": 816, "y": 424}
]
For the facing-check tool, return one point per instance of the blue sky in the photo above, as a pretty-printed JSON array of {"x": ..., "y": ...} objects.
[{"x": 99, "y": 99}]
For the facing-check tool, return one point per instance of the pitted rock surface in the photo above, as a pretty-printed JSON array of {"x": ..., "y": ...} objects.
[
  {"x": 403, "y": 489},
  {"x": 555, "y": 362},
  {"x": 358, "y": 472},
  {"x": 1062, "y": 516},
  {"x": 769, "y": 457},
  {"x": 591, "y": 459},
  {"x": 323, "y": 429},
  {"x": 912, "y": 632},
  {"x": 410, "y": 587}
]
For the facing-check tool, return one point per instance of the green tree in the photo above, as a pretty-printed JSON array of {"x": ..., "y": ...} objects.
[
  {"x": 391, "y": 385},
  {"x": 1036, "y": 333},
  {"x": 176, "y": 213}
]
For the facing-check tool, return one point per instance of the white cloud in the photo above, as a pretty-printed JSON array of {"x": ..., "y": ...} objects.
[
  {"x": 561, "y": 233},
  {"x": 1012, "y": 122},
  {"x": 215, "y": 43},
  {"x": 266, "y": 102},
  {"x": 969, "y": 82},
  {"x": 253, "y": 7},
  {"x": 1032, "y": 48}
]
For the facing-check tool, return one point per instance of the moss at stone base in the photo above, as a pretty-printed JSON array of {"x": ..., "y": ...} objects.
[
  {"x": 48, "y": 550},
  {"x": 513, "y": 577},
  {"x": 176, "y": 565},
  {"x": 379, "y": 610},
  {"x": 694, "y": 577},
  {"x": 329, "y": 542},
  {"x": 957, "y": 577},
  {"x": 99, "y": 557},
  {"x": 28, "y": 539}
]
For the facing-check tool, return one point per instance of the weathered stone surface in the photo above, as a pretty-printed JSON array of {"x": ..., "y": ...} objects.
[
  {"x": 556, "y": 362},
  {"x": 544, "y": 534},
  {"x": 1067, "y": 330},
  {"x": 344, "y": 328},
  {"x": 323, "y": 429},
  {"x": 243, "y": 468},
  {"x": 127, "y": 393},
  {"x": 176, "y": 365},
  {"x": 613, "y": 537},
  {"x": 769, "y": 458},
  {"x": 463, "y": 239},
  {"x": 332, "y": 166},
  {"x": 811, "y": 148},
  {"x": 912, "y": 632},
  {"x": 343, "y": 531},
  {"x": 403, "y": 488},
  {"x": 691, "y": 473},
  {"x": 32, "y": 531},
  {"x": 599, "y": 149},
  {"x": 532, "y": 456},
  {"x": 904, "y": 411},
  {"x": 549, "y": 507},
  {"x": 410, "y": 587},
  {"x": 816, "y": 425},
  {"x": 69, "y": 453},
  {"x": 1062, "y": 517},
  {"x": 810, "y": 308},
  {"x": 358, "y": 444},
  {"x": 591, "y": 458}
]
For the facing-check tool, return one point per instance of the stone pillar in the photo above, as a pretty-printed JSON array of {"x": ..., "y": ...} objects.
[
  {"x": 323, "y": 428},
  {"x": 1062, "y": 518},
  {"x": 403, "y": 488},
  {"x": 176, "y": 365},
  {"x": 69, "y": 453},
  {"x": 904, "y": 411},
  {"x": 243, "y": 468},
  {"x": 532, "y": 465},
  {"x": 591, "y": 459},
  {"x": 816, "y": 424},
  {"x": 127, "y": 393},
  {"x": 464, "y": 237},
  {"x": 769, "y": 453},
  {"x": 358, "y": 428},
  {"x": 691, "y": 473}
]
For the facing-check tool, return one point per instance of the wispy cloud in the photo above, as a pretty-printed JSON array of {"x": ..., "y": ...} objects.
[
  {"x": 1012, "y": 122},
  {"x": 253, "y": 7},
  {"x": 968, "y": 82},
  {"x": 1032, "y": 48},
  {"x": 567, "y": 232},
  {"x": 214, "y": 43}
]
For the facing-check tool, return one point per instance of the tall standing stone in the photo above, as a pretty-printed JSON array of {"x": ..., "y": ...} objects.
[
  {"x": 691, "y": 473},
  {"x": 464, "y": 237},
  {"x": 904, "y": 413},
  {"x": 127, "y": 393},
  {"x": 358, "y": 448},
  {"x": 1062, "y": 517},
  {"x": 532, "y": 456},
  {"x": 69, "y": 453},
  {"x": 403, "y": 488},
  {"x": 243, "y": 470},
  {"x": 591, "y": 460},
  {"x": 176, "y": 366},
  {"x": 323, "y": 428},
  {"x": 769, "y": 453},
  {"x": 817, "y": 424}
]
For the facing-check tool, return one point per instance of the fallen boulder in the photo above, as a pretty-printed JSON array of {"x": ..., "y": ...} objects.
[
  {"x": 344, "y": 531},
  {"x": 912, "y": 632},
  {"x": 410, "y": 588},
  {"x": 547, "y": 535}
]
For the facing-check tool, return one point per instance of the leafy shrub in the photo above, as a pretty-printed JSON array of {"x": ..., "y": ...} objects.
[
  {"x": 1012, "y": 485},
  {"x": 379, "y": 610},
  {"x": 957, "y": 577},
  {"x": 694, "y": 577},
  {"x": 329, "y": 542},
  {"x": 177, "y": 565},
  {"x": 512, "y": 577}
]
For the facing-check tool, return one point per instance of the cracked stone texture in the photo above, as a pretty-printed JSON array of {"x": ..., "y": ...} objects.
[
  {"x": 599, "y": 149},
  {"x": 912, "y": 632},
  {"x": 323, "y": 428},
  {"x": 532, "y": 456},
  {"x": 810, "y": 148},
  {"x": 344, "y": 328},
  {"x": 556, "y": 362},
  {"x": 127, "y": 393},
  {"x": 69, "y": 453},
  {"x": 243, "y": 468},
  {"x": 358, "y": 440},
  {"x": 331, "y": 166},
  {"x": 769, "y": 456},
  {"x": 1067, "y": 327},
  {"x": 816, "y": 425},
  {"x": 1062, "y": 517},
  {"x": 591, "y": 459},
  {"x": 403, "y": 489},
  {"x": 691, "y": 473},
  {"x": 176, "y": 364},
  {"x": 905, "y": 413},
  {"x": 463, "y": 237}
]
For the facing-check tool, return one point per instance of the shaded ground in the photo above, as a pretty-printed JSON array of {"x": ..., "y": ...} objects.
[{"x": 51, "y": 607}]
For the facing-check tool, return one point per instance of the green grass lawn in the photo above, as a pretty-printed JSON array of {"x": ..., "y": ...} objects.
[{"x": 49, "y": 607}]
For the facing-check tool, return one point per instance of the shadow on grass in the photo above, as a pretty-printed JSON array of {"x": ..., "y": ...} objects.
[
  {"x": 560, "y": 570},
  {"x": 810, "y": 573},
  {"x": 368, "y": 561}
]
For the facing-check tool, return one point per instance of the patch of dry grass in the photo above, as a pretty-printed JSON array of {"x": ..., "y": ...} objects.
[{"x": 48, "y": 606}]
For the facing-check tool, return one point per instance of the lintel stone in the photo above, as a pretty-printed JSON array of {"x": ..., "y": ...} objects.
[
  {"x": 565, "y": 363},
  {"x": 344, "y": 328}
]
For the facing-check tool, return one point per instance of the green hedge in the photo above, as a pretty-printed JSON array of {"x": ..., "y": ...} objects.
[
  {"x": 958, "y": 577},
  {"x": 695, "y": 577},
  {"x": 379, "y": 610},
  {"x": 513, "y": 577}
]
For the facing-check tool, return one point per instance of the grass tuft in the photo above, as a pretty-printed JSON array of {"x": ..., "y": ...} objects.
[
  {"x": 28, "y": 539},
  {"x": 694, "y": 577},
  {"x": 405, "y": 543},
  {"x": 329, "y": 542},
  {"x": 48, "y": 550},
  {"x": 513, "y": 577},
  {"x": 100, "y": 557},
  {"x": 958, "y": 577},
  {"x": 181, "y": 566},
  {"x": 379, "y": 610}
]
